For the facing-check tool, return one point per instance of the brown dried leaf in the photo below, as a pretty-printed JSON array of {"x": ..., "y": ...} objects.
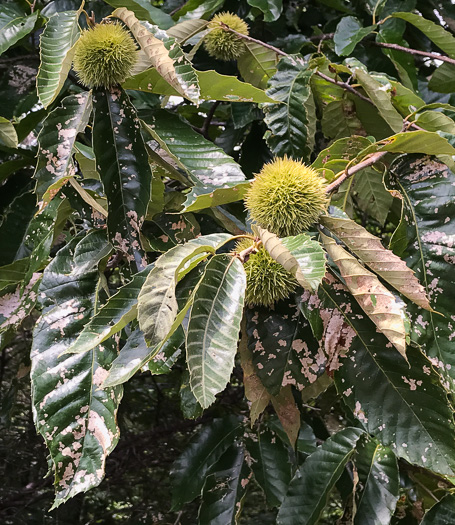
[
  {"x": 382, "y": 261},
  {"x": 255, "y": 391},
  {"x": 288, "y": 413},
  {"x": 373, "y": 297}
]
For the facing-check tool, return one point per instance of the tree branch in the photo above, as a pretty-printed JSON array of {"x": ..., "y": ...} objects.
[
  {"x": 345, "y": 86},
  {"x": 208, "y": 119},
  {"x": 251, "y": 39},
  {"x": 411, "y": 51},
  {"x": 369, "y": 161}
]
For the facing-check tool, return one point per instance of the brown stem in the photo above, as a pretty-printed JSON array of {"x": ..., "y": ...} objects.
[
  {"x": 411, "y": 51},
  {"x": 251, "y": 39},
  {"x": 369, "y": 161},
  {"x": 208, "y": 119},
  {"x": 345, "y": 86},
  {"x": 243, "y": 254}
]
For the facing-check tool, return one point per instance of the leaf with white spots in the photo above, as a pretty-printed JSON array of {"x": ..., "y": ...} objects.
[
  {"x": 310, "y": 488},
  {"x": 16, "y": 304},
  {"x": 425, "y": 239},
  {"x": 225, "y": 488},
  {"x": 299, "y": 255},
  {"x": 288, "y": 413},
  {"x": 56, "y": 139},
  {"x": 164, "y": 53},
  {"x": 403, "y": 405},
  {"x": 283, "y": 349},
  {"x": 122, "y": 163},
  {"x": 385, "y": 263},
  {"x": 214, "y": 326},
  {"x": 113, "y": 316},
  {"x": 75, "y": 417},
  {"x": 378, "y": 481},
  {"x": 56, "y": 51},
  {"x": 375, "y": 300},
  {"x": 204, "y": 162}
]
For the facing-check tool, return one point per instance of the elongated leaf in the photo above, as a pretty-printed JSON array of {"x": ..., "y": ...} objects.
[
  {"x": 204, "y": 162},
  {"x": 271, "y": 466},
  {"x": 435, "y": 121},
  {"x": 288, "y": 413},
  {"x": 382, "y": 261},
  {"x": 157, "y": 303},
  {"x": 187, "y": 29},
  {"x": 16, "y": 29},
  {"x": 442, "y": 80},
  {"x": 425, "y": 239},
  {"x": 144, "y": 10},
  {"x": 289, "y": 121},
  {"x": 419, "y": 141},
  {"x": 165, "y": 55},
  {"x": 114, "y": 315},
  {"x": 271, "y": 8},
  {"x": 214, "y": 326},
  {"x": 381, "y": 99},
  {"x": 190, "y": 469},
  {"x": 348, "y": 34},
  {"x": 225, "y": 488},
  {"x": 311, "y": 485},
  {"x": 443, "y": 513},
  {"x": 373, "y": 297},
  {"x": 257, "y": 65},
  {"x": 378, "y": 476},
  {"x": 57, "y": 51},
  {"x": 299, "y": 255},
  {"x": 339, "y": 119},
  {"x": 371, "y": 195},
  {"x": 342, "y": 150},
  {"x": 213, "y": 86},
  {"x": 13, "y": 273},
  {"x": 8, "y": 135},
  {"x": 75, "y": 417},
  {"x": 201, "y": 197},
  {"x": 124, "y": 169},
  {"x": 407, "y": 408},
  {"x": 198, "y": 9},
  {"x": 283, "y": 349},
  {"x": 56, "y": 139},
  {"x": 435, "y": 32}
]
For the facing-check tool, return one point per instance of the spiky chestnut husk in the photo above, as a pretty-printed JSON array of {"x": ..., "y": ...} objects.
[
  {"x": 104, "y": 56},
  {"x": 222, "y": 44},
  {"x": 266, "y": 280},
  {"x": 286, "y": 197}
]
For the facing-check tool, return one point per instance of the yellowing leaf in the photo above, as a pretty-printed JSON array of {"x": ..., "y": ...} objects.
[
  {"x": 373, "y": 297},
  {"x": 288, "y": 413},
  {"x": 382, "y": 261}
]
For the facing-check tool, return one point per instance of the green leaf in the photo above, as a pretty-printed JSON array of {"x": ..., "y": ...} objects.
[
  {"x": 16, "y": 29},
  {"x": 384, "y": 262},
  {"x": 435, "y": 121},
  {"x": 373, "y": 297},
  {"x": 213, "y": 86},
  {"x": 407, "y": 409},
  {"x": 442, "y": 80},
  {"x": 443, "y": 513},
  {"x": 56, "y": 51},
  {"x": 348, "y": 34},
  {"x": 56, "y": 139},
  {"x": 309, "y": 489},
  {"x": 288, "y": 120},
  {"x": 124, "y": 169},
  {"x": 418, "y": 141},
  {"x": 257, "y": 65},
  {"x": 13, "y": 273},
  {"x": 342, "y": 150},
  {"x": 425, "y": 241},
  {"x": 379, "y": 478},
  {"x": 381, "y": 99},
  {"x": 189, "y": 406},
  {"x": 435, "y": 32},
  {"x": 271, "y": 8},
  {"x": 144, "y": 10},
  {"x": 17, "y": 305},
  {"x": 299, "y": 255},
  {"x": 8, "y": 135},
  {"x": 190, "y": 469},
  {"x": 202, "y": 197},
  {"x": 164, "y": 53},
  {"x": 371, "y": 195},
  {"x": 112, "y": 317},
  {"x": 271, "y": 465},
  {"x": 198, "y": 9},
  {"x": 339, "y": 119},
  {"x": 204, "y": 162},
  {"x": 214, "y": 326},
  {"x": 75, "y": 417},
  {"x": 157, "y": 303},
  {"x": 282, "y": 347},
  {"x": 225, "y": 488},
  {"x": 186, "y": 30}
]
